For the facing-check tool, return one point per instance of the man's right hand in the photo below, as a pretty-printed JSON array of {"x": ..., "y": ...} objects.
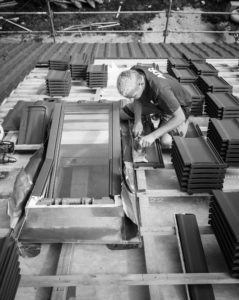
[{"x": 138, "y": 128}]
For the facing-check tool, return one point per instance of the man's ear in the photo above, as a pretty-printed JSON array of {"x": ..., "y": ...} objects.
[{"x": 141, "y": 81}]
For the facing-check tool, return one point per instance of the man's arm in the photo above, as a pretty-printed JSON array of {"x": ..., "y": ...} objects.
[
  {"x": 138, "y": 126},
  {"x": 178, "y": 118}
]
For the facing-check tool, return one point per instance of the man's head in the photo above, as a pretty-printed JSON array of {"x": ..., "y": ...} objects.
[{"x": 131, "y": 84}]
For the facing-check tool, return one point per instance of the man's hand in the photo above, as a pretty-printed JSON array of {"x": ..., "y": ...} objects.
[
  {"x": 138, "y": 128},
  {"x": 147, "y": 140}
]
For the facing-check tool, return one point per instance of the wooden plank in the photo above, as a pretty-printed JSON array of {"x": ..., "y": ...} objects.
[
  {"x": 174, "y": 193},
  {"x": 126, "y": 279},
  {"x": 169, "y": 230},
  {"x": 217, "y": 62},
  {"x": 27, "y": 147},
  {"x": 158, "y": 212},
  {"x": 141, "y": 180},
  {"x": 11, "y": 136},
  {"x": 22, "y": 160},
  {"x": 164, "y": 182},
  {"x": 156, "y": 263},
  {"x": 64, "y": 265},
  {"x": 228, "y": 74},
  {"x": 181, "y": 256},
  {"x": 35, "y": 97}
]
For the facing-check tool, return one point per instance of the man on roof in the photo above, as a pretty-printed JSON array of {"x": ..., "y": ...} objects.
[{"x": 154, "y": 93}]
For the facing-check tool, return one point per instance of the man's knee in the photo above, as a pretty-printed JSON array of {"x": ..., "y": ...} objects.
[{"x": 166, "y": 141}]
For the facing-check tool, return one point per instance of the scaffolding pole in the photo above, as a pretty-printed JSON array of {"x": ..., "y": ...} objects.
[
  {"x": 165, "y": 33},
  {"x": 50, "y": 13}
]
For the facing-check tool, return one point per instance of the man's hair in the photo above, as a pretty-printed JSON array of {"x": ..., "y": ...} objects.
[{"x": 127, "y": 81}]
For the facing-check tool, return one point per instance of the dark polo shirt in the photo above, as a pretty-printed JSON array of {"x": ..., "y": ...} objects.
[{"x": 164, "y": 91}]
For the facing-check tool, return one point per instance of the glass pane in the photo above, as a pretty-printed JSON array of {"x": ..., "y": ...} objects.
[{"x": 83, "y": 164}]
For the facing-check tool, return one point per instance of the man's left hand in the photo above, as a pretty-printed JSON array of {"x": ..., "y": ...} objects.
[{"x": 147, "y": 140}]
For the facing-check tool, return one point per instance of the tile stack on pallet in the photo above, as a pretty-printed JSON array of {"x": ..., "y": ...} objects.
[
  {"x": 184, "y": 75},
  {"x": 222, "y": 105},
  {"x": 203, "y": 68},
  {"x": 78, "y": 65},
  {"x": 203, "y": 78},
  {"x": 209, "y": 82},
  {"x": 213, "y": 84},
  {"x": 180, "y": 69},
  {"x": 97, "y": 75},
  {"x": 193, "y": 57},
  {"x": 223, "y": 217},
  {"x": 199, "y": 168},
  {"x": 176, "y": 63},
  {"x": 197, "y": 98},
  {"x": 58, "y": 83},
  {"x": 59, "y": 62},
  {"x": 224, "y": 135},
  {"x": 9, "y": 268}
]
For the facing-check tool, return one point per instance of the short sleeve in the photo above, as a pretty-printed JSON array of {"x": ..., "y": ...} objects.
[{"x": 167, "y": 101}]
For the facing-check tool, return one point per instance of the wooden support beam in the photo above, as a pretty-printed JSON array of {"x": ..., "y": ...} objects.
[
  {"x": 126, "y": 279},
  {"x": 27, "y": 147},
  {"x": 182, "y": 260},
  {"x": 64, "y": 264},
  {"x": 141, "y": 181},
  {"x": 169, "y": 230}
]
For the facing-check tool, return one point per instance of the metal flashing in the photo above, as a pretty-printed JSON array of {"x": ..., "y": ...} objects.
[{"x": 193, "y": 254}]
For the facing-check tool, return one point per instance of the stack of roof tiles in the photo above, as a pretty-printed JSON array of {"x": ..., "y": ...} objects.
[
  {"x": 198, "y": 166},
  {"x": 193, "y": 57},
  {"x": 224, "y": 134},
  {"x": 9, "y": 268},
  {"x": 197, "y": 98},
  {"x": 59, "y": 62},
  {"x": 176, "y": 63},
  {"x": 184, "y": 75},
  {"x": 222, "y": 105},
  {"x": 213, "y": 84},
  {"x": 58, "y": 83},
  {"x": 97, "y": 75},
  {"x": 203, "y": 68},
  {"x": 78, "y": 65},
  {"x": 223, "y": 217}
]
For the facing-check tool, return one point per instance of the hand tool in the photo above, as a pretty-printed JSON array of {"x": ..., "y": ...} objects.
[{"x": 6, "y": 147}]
